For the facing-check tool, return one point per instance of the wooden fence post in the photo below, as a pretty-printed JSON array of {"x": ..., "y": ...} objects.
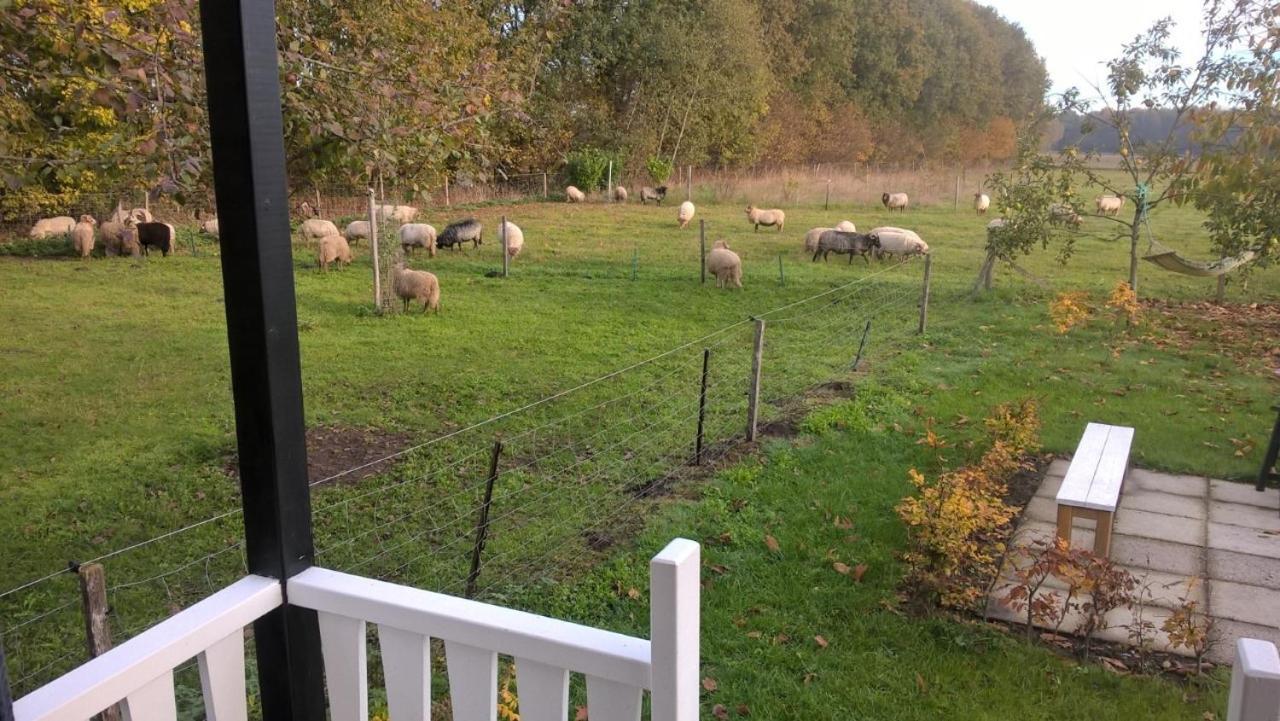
[
  {"x": 446, "y": 190},
  {"x": 674, "y": 629},
  {"x": 782, "y": 276},
  {"x": 482, "y": 523},
  {"x": 924, "y": 293},
  {"x": 319, "y": 213},
  {"x": 373, "y": 246},
  {"x": 1268, "y": 470},
  {"x": 502, "y": 233},
  {"x": 956, "y": 205},
  {"x": 1255, "y": 682},
  {"x": 826, "y": 204},
  {"x": 702, "y": 245},
  {"x": 609, "y": 186},
  {"x": 702, "y": 407},
  {"x": 6, "y": 698},
  {"x": 97, "y": 628},
  {"x": 544, "y": 185},
  {"x": 688, "y": 188},
  {"x": 753, "y": 393}
]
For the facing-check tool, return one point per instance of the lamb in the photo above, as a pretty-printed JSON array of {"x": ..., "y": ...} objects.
[
  {"x": 515, "y": 237},
  {"x": 82, "y": 235},
  {"x": 129, "y": 242},
  {"x": 156, "y": 235},
  {"x": 356, "y": 230},
  {"x": 657, "y": 194},
  {"x": 811, "y": 238},
  {"x": 573, "y": 195},
  {"x": 766, "y": 217},
  {"x": 50, "y": 227},
  {"x": 1109, "y": 204},
  {"x": 898, "y": 241},
  {"x": 332, "y": 248},
  {"x": 112, "y": 233},
  {"x": 842, "y": 243},
  {"x": 620, "y": 194},
  {"x": 895, "y": 201},
  {"x": 1063, "y": 214},
  {"x": 981, "y": 201},
  {"x": 725, "y": 265},
  {"x": 457, "y": 233},
  {"x": 846, "y": 226},
  {"x": 685, "y": 213},
  {"x": 416, "y": 285},
  {"x": 418, "y": 235},
  {"x": 317, "y": 228}
]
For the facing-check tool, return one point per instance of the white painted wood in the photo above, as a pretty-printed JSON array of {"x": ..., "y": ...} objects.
[
  {"x": 674, "y": 628},
  {"x": 473, "y": 682},
  {"x": 222, "y": 679},
  {"x": 1075, "y": 485},
  {"x": 406, "y": 664},
  {"x": 1255, "y": 682},
  {"x": 153, "y": 701},
  {"x": 612, "y": 701},
  {"x": 524, "y": 635},
  {"x": 136, "y": 663},
  {"x": 342, "y": 642},
  {"x": 543, "y": 691},
  {"x": 1104, "y": 494}
]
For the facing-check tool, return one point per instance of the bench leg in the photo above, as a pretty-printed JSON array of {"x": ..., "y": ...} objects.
[
  {"x": 1102, "y": 534},
  {"x": 1064, "y": 523}
]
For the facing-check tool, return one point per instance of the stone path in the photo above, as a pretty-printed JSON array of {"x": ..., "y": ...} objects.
[{"x": 1169, "y": 530}]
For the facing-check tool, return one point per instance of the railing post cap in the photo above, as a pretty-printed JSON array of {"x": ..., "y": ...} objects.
[
  {"x": 1256, "y": 658},
  {"x": 677, "y": 552}
]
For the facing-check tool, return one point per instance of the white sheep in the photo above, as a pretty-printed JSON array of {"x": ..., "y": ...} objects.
[
  {"x": 981, "y": 201},
  {"x": 50, "y": 227},
  {"x": 317, "y": 228},
  {"x": 332, "y": 248},
  {"x": 846, "y": 226},
  {"x": 620, "y": 194},
  {"x": 209, "y": 227},
  {"x": 685, "y": 213},
  {"x": 573, "y": 195},
  {"x": 410, "y": 285},
  {"x": 356, "y": 230},
  {"x": 1061, "y": 213},
  {"x": 766, "y": 218},
  {"x": 1109, "y": 204},
  {"x": 895, "y": 201},
  {"x": 399, "y": 213},
  {"x": 418, "y": 235},
  {"x": 725, "y": 265},
  {"x": 515, "y": 237},
  {"x": 82, "y": 235},
  {"x": 898, "y": 241},
  {"x": 811, "y": 238},
  {"x": 112, "y": 233}
]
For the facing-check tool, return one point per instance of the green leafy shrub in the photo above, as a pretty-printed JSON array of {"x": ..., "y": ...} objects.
[
  {"x": 588, "y": 169},
  {"x": 659, "y": 169}
]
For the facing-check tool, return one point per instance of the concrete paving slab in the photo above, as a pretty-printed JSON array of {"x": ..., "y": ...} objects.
[
  {"x": 1243, "y": 568},
  {"x": 1049, "y": 487},
  {"x": 1118, "y": 628},
  {"x": 1245, "y": 493},
  {"x": 1041, "y": 509},
  {"x": 1164, "y": 556},
  {"x": 1180, "y": 529},
  {"x": 1167, "y": 503},
  {"x": 1244, "y": 540},
  {"x": 1058, "y": 467},
  {"x": 1226, "y": 631},
  {"x": 1239, "y": 514},
  {"x": 1240, "y": 602},
  {"x": 1144, "y": 480}
]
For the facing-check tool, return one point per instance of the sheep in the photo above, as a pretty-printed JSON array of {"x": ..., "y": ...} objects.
[
  {"x": 981, "y": 201},
  {"x": 49, "y": 227},
  {"x": 657, "y": 194},
  {"x": 332, "y": 248},
  {"x": 457, "y": 233},
  {"x": 129, "y": 241},
  {"x": 1109, "y": 204},
  {"x": 1063, "y": 214},
  {"x": 141, "y": 215},
  {"x": 685, "y": 213},
  {"x": 995, "y": 224},
  {"x": 317, "y": 228},
  {"x": 573, "y": 195},
  {"x": 156, "y": 235},
  {"x": 112, "y": 233},
  {"x": 416, "y": 285},
  {"x": 766, "y": 217},
  {"x": 811, "y": 238},
  {"x": 846, "y": 226},
  {"x": 620, "y": 194},
  {"x": 82, "y": 235},
  {"x": 356, "y": 230},
  {"x": 418, "y": 235},
  {"x": 725, "y": 265},
  {"x": 515, "y": 237},
  {"x": 842, "y": 243},
  {"x": 898, "y": 241},
  {"x": 399, "y": 213},
  {"x": 895, "y": 201},
  {"x": 210, "y": 227}
]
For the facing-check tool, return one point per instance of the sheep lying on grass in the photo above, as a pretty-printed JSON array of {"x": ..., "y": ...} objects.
[
  {"x": 898, "y": 242},
  {"x": 455, "y": 234},
  {"x": 573, "y": 195},
  {"x": 515, "y": 237},
  {"x": 331, "y": 249},
  {"x": 416, "y": 285},
  {"x": 685, "y": 213},
  {"x": 418, "y": 235},
  {"x": 981, "y": 201},
  {"x": 82, "y": 235},
  {"x": 767, "y": 218},
  {"x": 51, "y": 227},
  {"x": 895, "y": 201},
  {"x": 842, "y": 243},
  {"x": 725, "y": 265}
]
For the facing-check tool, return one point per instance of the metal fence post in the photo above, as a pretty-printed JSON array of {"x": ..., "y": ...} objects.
[
  {"x": 924, "y": 293},
  {"x": 753, "y": 393},
  {"x": 866, "y": 331},
  {"x": 1255, "y": 682},
  {"x": 702, "y": 245},
  {"x": 702, "y": 407},
  {"x": 373, "y": 245},
  {"x": 482, "y": 523},
  {"x": 782, "y": 276}
]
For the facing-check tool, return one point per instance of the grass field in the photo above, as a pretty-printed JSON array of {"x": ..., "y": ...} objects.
[{"x": 116, "y": 405}]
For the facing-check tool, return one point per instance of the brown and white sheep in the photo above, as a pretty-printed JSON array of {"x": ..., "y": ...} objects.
[
  {"x": 895, "y": 201},
  {"x": 82, "y": 235},
  {"x": 767, "y": 218},
  {"x": 725, "y": 265},
  {"x": 416, "y": 285},
  {"x": 331, "y": 249}
]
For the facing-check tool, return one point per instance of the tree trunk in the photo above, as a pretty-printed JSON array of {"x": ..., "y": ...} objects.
[
  {"x": 1134, "y": 232},
  {"x": 1221, "y": 295},
  {"x": 984, "y": 275}
]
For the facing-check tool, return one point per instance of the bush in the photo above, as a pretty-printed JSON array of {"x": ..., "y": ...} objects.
[
  {"x": 659, "y": 169},
  {"x": 588, "y": 168}
]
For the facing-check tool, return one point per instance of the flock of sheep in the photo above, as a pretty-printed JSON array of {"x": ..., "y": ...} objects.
[{"x": 130, "y": 233}]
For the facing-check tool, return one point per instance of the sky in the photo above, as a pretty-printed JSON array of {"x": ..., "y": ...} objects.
[{"x": 1077, "y": 37}]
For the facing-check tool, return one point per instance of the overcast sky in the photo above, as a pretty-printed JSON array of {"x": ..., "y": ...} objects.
[{"x": 1077, "y": 37}]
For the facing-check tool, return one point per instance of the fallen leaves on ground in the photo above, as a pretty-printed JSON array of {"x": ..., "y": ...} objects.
[
  {"x": 822, "y": 642},
  {"x": 772, "y": 543},
  {"x": 709, "y": 684}
]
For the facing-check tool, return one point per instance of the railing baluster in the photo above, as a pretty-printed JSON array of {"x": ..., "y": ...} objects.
[
  {"x": 343, "y": 645},
  {"x": 674, "y": 627},
  {"x": 153, "y": 702},
  {"x": 473, "y": 682},
  {"x": 406, "y": 663},
  {"x": 222, "y": 679},
  {"x": 543, "y": 691},
  {"x": 612, "y": 701}
]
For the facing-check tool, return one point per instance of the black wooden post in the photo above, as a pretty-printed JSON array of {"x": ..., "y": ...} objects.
[
  {"x": 482, "y": 523},
  {"x": 1268, "y": 470},
  {"x": 247, "y": 134},
  {"x": 702, "y": 407},
  {"x": 6, "y": 699}
]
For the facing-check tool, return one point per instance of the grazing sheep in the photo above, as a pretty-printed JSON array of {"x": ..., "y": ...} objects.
[
  {"x": 317, "y": 228},
  {"x": 895, "y": 201},
  {"x": 725, "y": 265},
  {"x": 112, "y": 234},
  {"x": 811, "y": 238},
  {"x": 573, "y": 195},
  {"x": 898, "y": 241},
  {"x": 981, "y": 201},
  {"x": 846, "y": 226},
  {"x": 766, "y": 218},
  {"x": 455, "y": 234},
  {"x": 1109, "y": 204},
  {"x": 356, "y": 230},
  {"x": 156, "y": 235},
  {"x": 418, "y": 235},
  {"x": 210, "y": 227},
  {"x": 50, "y": 227},
  {"x": 416, "y": 285},
  {"x": 332, "y": 248},
  {"x": 657, "y": 194},
  {"x": 82, "y": 235},
  {"x": 129, "y": 244},
  {"x": 515, "y": 237},
  {"x": 685, "y": 213},
  {"x": 1063, "y": 214},
  {"x": 399, "y": 213},
  {"x": 620, "y": 194},
  {"x": 842, "y": 243}
]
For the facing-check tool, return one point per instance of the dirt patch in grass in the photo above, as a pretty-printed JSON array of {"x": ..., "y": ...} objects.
[
  {"x": 1024, "y": 484},
  {"x": 342, "y": 454},
  {"x": 1245, "y": 331}
]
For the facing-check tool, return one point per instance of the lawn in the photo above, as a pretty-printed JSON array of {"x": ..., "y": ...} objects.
[{"x": 117, "y": 408}]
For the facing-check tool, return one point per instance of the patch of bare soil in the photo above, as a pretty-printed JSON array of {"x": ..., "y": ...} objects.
[
  {"x": 342, "y": 454},
  {"x": 1249, "y": 333}
]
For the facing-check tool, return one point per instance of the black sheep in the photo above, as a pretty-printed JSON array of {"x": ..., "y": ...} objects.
[
  {"x": 842, "y": 243},
  {"x": 156, "y": 235},
  {"x": 455, "y": 234}
]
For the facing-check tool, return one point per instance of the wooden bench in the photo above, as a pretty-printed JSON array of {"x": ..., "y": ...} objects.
[{"x": 1091, "y": 488}]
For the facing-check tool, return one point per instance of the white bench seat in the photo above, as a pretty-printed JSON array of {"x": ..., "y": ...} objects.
[{"x": 1091, "y": 488}]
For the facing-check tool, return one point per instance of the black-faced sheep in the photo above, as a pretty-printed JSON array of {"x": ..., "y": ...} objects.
[
  {"x": 416, "y": 285},
  {"x": 51, "y": 227},
  {"x": 82, "y": 235},
  {"x": 685, "y": 213},
  {"x": 767, "y": 218},
  {"x": 455, "y": 234},
  {"x": 331, "y": 249},
  {"x": 981, "y": 201},
  {"x": 418, "y": 235},
  {"x": 657, "y": 194},
  {"x": 842, "y": 243},
  {"x": 895, "y": 201},
  {"x": 725, "y": 265},
  {"x": 161, "y": 236}
]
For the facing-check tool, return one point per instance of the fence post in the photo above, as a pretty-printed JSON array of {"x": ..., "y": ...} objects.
[
  {"x": 688, "y": 187},
  {"x": 753, "y": 393},
  {"x": 702, "y": 245},
  {"x": 319, "y": 213},
  {"x": 502, "y": 233},
  {"x": 866, "y": 331},
  {"x": 1255, "y": 682},
  {"x": 702, "y": 407},
  {"x": 446, "y": 190},
  {"x": 609, "y": 187},
  {"x": 635, "y": 263},
  {"x": 6, "y": 698},
  {"x": 956, "y": 206},
  {"x": 544, "y": 185},
  {"x": 924, "y": 293},
  {"x": 782, "y": 277},
  {"x": 97, "y": 629},
  {"x": 826, "y": 204},
  {"x": 373, "y": 245},
  {"x": 674, "y": 629},
  {"x": 1269, "y": 458},
  {"x": 482, "y": 523}
]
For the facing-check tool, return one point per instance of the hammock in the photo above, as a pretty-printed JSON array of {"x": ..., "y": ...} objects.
[{"x": 1169, "y": 259}]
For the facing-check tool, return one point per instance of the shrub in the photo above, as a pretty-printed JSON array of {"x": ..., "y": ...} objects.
[
  {"x": 659, "y": 169},
  {"x": 588, "y": 168},
  {"x": 1069, "y": 310},
  {"x": 1124, "y": 303}
]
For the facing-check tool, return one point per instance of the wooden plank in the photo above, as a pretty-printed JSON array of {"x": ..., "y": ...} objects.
[
  {"x": 222, "y": 679},
  {"x": 154, "y": 701},
  {"x": 613, "y": 701},
  {"x": 1079, "y": 476},
  {"x": 543, "y": 691},
  {"x": 346, "y": 675},
  {"x": 1109, "y": 476},
  {"x": 406, "y": 664},
  {"x": 473, "y": 682}
]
